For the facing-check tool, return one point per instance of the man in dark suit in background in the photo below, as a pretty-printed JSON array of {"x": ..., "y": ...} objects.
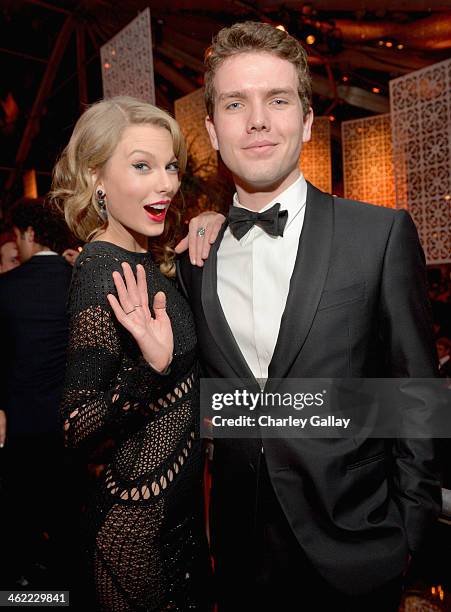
[
  {"x": 9, "y": 259},
  {"x": 33, "y": 331},
  {"x": 311, "y": 287}
]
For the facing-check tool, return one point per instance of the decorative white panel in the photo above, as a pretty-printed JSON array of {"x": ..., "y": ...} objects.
[
  {"x": 315, "y": 161},
  {"x": 421, "y": 127},
  {"x": 127, "y": 61},
  {"x": 368, "y": 160},
  {"x": 190, "y": 112}
]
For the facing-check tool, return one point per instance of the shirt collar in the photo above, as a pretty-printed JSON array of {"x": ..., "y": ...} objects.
[{"x": 292, "y": 199}]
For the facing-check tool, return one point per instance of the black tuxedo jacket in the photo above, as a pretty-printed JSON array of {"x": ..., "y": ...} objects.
[
  {"x": 33, "y": 332},
  {"x": 357, "y": 307}
]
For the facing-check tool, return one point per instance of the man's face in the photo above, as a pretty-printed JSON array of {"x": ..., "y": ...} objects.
[
  {"x": 25, "y": 243},
  {"x": 442, "y": 349},
  {"x": 9, "y": 257},
  {"x": 258, "y": 123}
]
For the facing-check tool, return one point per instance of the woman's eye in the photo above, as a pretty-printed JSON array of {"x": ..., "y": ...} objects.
[
  {"x": 141, "y": 166},
  {"x": 173, "y": 167}
]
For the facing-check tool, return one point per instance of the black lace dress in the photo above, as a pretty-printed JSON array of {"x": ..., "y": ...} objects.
[{"x": 145, "y": 526}]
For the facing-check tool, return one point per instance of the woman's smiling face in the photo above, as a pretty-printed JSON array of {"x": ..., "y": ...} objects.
[{"x": 139, "y": 180}]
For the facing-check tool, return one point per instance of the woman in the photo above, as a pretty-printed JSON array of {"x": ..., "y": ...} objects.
[{"x": 132, "y": 375}]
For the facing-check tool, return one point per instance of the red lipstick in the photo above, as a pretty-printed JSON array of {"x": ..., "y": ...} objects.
[{"x": 156, "y": 211}]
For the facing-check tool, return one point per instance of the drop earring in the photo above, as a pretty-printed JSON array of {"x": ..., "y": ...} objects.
[{"x": 101, "y": 197}]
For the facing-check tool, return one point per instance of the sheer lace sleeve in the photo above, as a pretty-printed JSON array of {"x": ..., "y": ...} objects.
[{"x": 106, "y": 375}]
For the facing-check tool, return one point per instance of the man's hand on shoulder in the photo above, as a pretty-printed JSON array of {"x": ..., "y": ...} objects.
[
  {"x": 203, "y": 231},
  {"x": 70, "y": 255}
]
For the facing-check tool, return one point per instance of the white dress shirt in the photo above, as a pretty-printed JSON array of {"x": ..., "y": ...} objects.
[{"x": 254, "y": 279}]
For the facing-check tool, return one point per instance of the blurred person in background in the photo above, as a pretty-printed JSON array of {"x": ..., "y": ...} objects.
[
  {"x": 33, "y": 328},
  {"x": 9, "y": 258},
  {"x": 444, "y": 356}
]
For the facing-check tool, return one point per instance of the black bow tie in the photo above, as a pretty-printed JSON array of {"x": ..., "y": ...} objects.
[{"x": 271, "y": 221}]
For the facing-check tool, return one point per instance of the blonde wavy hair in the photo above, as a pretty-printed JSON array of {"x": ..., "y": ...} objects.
[{"x": 93, "y": 141}]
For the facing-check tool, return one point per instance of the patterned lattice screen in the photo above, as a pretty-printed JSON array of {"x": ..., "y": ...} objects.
[
  {"x": 190, "y": 112},
  {"x": 127, "y": 61},
  {"x": 368, "y": 160},
  {"x": 315, "y": 161},
  {"x": 421, "y": 127}
]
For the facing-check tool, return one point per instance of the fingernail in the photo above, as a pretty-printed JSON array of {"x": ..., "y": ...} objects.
[{"x": 1, "y": 445}]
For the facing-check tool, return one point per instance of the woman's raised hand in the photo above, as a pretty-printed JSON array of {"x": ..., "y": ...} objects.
[{"x": 152, "y": 334}]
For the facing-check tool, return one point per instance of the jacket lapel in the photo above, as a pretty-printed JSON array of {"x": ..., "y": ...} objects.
[
  {"x": 307, "y": 281},
  {"x": 214, "y": 314}
]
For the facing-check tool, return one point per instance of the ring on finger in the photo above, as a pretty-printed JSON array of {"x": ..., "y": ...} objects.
[{"x": 201, "y": 231}]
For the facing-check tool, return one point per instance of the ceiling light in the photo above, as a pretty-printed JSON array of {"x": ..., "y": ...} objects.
[{"x": 310, "y": 39}]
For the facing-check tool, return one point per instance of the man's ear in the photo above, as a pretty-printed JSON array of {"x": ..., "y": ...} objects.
[
  {"x": 212, "y": 133},
  {"x": 29, "y": 234},
  {"x": 307, "y": 128}
]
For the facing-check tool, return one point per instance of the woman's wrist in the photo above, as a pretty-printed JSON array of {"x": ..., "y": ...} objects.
[{"x": 161, "y": 368}]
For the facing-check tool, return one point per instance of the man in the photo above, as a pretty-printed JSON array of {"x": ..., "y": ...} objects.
[
  {"x": 33, "y": 329},
  {"x": 8, "y": 261},
  {"x": 337, "y": 290},
  {"x": 444, "y": 356},
  {"x": 8, "y": 252}
]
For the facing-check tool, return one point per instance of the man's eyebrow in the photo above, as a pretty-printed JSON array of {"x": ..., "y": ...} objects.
[
  {"x": 231, "y": 94},
  {"x": 281, "y": 91},
  {"x": 276, "y": 91}
]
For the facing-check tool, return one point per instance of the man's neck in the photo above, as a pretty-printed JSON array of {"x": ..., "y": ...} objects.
[
  {"x": 253, "y": 199},
  {"x": 39, "y": 248}
]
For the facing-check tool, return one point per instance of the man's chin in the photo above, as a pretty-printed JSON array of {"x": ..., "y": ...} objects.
[{"x": 258, "y": 183}]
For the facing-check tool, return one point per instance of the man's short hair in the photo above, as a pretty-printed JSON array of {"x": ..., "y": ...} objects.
[
  {"x": 252, "y": 36},
  {"x": 36, "y": 213}
]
